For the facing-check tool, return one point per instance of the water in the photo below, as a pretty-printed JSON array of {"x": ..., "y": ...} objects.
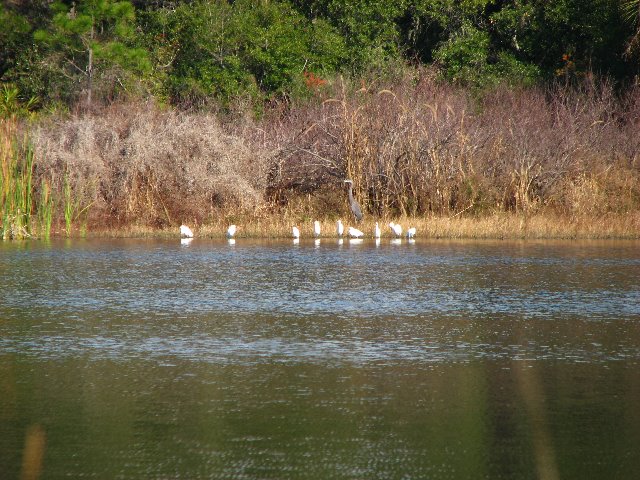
[{"x": 259, "y": 360}]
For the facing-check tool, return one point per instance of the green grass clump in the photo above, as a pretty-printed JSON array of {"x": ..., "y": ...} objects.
[{"x": 16, "y": 181}]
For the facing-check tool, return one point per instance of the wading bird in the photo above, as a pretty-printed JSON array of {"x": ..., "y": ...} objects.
[
  {"x": 231, "y": 231},
  {"x": 411, "y": 232},
  {"x": 295, "y": 231},
  {"x": 376, "y": 231},
  {"x": 339, "y": 228},
  {"x": 355, "y": 233},
  {"x": 316, "y": 229},
  {"x": 185, "y": 232},
  {"x": 396, "y": 228},
  {"x": 355, "y": 206}
]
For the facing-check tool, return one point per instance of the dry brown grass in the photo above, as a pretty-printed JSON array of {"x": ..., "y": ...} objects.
[
  {"x": 137, "y": 164},
  {"x": 496, "y": 226},
  {"x": 516, "y": 163},
  {"x": 419, "y": 147}
]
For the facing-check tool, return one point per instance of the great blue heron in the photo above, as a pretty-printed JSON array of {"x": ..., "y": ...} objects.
[
  {"x": 396, "y": 228},
  {"x": 316, "y": 229},
  {"x": 339, "y": 228},
  {"x": 355, "y": 206},
  {"x": 411, "y": 232},
  {"x": 231, "y": 231},
  {"x": 355, "y": 233},
  {"x": 185, "y": 232},
  {"x": 376, "y": 231},
  {"x": 295, "y": 231}
]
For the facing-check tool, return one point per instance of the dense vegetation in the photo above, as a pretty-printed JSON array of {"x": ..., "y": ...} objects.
[
  {"x": 192, "y": 53},
  {"x": 157, "y": 112}
]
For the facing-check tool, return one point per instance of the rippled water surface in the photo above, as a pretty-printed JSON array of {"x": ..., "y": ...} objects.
[{"x": 431, "y": 359}]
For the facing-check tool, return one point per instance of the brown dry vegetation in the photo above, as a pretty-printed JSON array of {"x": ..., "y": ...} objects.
[{"x": 558, "y": 162}]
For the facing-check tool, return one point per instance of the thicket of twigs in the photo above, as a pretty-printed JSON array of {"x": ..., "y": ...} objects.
[{"x": 417, "y": 147}]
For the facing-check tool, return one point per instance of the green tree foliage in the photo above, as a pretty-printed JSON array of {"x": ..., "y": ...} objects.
[
  {"x": 631, "y": 13},
  {"x": 223, "y": 50},
  {"x": 196, "y": 52},
  {"x": 13, "y": 37},
  {"x": 92, "y": 45},
  {"x": 370, "y": 27},
  {"x": 579, "y": 35},
  {"x": 468, "y": 57}
]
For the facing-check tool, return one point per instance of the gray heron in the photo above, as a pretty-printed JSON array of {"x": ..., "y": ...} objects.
[{"x": 355, "y": 206}]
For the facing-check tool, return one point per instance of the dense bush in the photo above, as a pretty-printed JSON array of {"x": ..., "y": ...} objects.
[{"x": 418, "y": 147}]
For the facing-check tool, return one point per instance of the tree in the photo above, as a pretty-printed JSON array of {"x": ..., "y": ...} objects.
[
  {"x": 94, "y": 40},
  {"x": 214, "y": 49}
]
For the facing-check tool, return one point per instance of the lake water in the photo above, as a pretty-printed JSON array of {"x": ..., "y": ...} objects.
[{"x": 271, "y": 360}]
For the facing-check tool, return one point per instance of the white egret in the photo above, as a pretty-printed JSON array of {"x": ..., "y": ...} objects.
[
  {"x": 376, "y": 231},
  {"x": 186, "y": 241},
  {"x": 355, "y": 233},
  {"x": 231, "y": 231},
  {"x": 316, "y": 229},
  {"x": 295, "y": 232},
  {"x": 411, "y": 232},
  {"x": 185, "y": 232},
  {"x": 339, "y": 228},
  {"x": 396, "y": 228}
]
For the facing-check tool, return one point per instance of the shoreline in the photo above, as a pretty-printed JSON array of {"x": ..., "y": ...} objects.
[{"x": 499, "y": 226}]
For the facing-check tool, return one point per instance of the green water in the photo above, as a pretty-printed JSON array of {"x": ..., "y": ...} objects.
[{"x": 430, "y": 359}]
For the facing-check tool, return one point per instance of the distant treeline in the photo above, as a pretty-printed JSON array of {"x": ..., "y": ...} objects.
[{"x": 225, "y": 54}]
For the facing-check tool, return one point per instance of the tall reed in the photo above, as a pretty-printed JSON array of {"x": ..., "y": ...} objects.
[
  {"x": 45, "y": 209},
  {"x": 69, "y": 206},
  {"x": 16, "y": 181}
]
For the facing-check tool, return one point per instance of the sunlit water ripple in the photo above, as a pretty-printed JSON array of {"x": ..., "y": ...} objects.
[{"x": 259, "y": 302}]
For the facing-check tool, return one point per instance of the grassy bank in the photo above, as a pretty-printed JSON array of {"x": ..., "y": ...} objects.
[
  {"x": 535, "y": 163},
  {"x": 496, "y": 226}
]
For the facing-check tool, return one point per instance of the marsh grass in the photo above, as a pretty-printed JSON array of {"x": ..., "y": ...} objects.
[
  {"x": 527, "y": 163},
  {"x": 16, "y": 181},
  {"x": 28, "y": 200},
  {"x": 501, "y": 225},
  {"x": 45, "y": 209}
]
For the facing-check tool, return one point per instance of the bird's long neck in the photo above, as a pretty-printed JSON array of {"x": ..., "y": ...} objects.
[{"x": 350, "y": 193}]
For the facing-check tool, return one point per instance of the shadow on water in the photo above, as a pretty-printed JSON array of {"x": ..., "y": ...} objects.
[{"x": 320, "y": 359}]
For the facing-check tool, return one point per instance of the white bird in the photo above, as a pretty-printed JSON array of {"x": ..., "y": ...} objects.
[
  {"x": 296, "y": 232},
  {"x": 185, "y": 232},
  {"x": 316, "y": 228},
  {"x": 231, "y": 231},
  {"x": 376, "y": 231},
  {"x": 339, "y": 228},
  {"x": 396, "y": 228},
  {"x": 355, "y": 233},
  {"x": 411, "y": 232}
]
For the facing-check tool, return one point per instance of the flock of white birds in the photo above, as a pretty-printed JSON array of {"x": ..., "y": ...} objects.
[{"x": 352, "y": 232}]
